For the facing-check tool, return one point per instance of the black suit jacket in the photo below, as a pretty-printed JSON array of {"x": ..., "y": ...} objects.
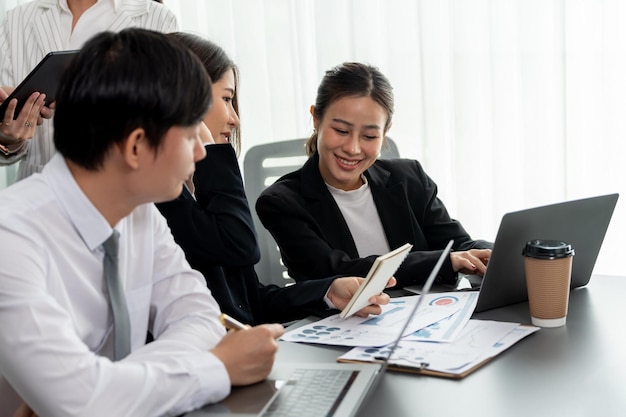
[
  {"x": 315, "y": 240},
  {"x": 216, "y": 232}
]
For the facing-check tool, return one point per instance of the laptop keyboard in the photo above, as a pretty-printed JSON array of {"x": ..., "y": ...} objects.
[{"x": 311, "y": 393}]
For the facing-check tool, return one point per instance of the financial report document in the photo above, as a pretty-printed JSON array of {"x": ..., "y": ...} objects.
[{"x": 441, "y": 318}]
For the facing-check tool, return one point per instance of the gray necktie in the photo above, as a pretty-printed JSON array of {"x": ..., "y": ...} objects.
[{"x": 121, "y": 321}]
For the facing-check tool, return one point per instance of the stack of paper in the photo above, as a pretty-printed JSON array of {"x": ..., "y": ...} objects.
[{"x": 441, "y": 339}]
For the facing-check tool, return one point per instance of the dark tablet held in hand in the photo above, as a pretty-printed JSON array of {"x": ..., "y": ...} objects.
[{"x": 44, "y": 78}]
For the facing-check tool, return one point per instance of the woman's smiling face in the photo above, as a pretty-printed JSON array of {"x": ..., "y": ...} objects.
[{"x": 349, "y": 137}]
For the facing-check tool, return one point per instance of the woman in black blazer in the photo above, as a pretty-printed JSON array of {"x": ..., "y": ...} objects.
[
  {"x": 212, "y": 223},
  {"x": 344, "y": 206}
]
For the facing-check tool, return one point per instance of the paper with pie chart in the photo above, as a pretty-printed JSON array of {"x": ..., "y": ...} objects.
[
  {"x": 374, "y": 330},
  {"x": 449, "y": 328}
]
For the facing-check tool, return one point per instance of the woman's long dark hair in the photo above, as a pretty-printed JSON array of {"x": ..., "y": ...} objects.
[{"x": 217, "y": 63}]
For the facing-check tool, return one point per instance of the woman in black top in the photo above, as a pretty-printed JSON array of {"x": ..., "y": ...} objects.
[
  {"x": 345, "y": 206},
  {"x": 211, "y": 219}
]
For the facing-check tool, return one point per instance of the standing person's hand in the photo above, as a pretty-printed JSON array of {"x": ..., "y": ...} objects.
[
  {"x": 16, "y": 131},
  {"x": 46, "y": 112},
  {"x": 248, "y": 354}
]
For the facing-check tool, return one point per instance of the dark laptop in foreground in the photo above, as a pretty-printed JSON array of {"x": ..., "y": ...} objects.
[
  {"x": 312, "y": 389},
  {"x": 582, "y": 223}
]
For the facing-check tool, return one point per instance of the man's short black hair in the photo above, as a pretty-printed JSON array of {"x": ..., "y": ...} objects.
[{"x": 123, "y": 81}]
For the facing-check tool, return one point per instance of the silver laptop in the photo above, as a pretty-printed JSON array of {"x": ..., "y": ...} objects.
[
  {"x": 312, "y": 389},
  {"x": 581, "y": 223}
]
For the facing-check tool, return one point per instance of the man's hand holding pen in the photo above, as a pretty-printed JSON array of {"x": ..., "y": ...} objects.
[
  {"x": 248, "y": 353},
  {"x": 231, "y": 323}
]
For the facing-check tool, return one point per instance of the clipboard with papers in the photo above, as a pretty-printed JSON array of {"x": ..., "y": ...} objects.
[{"x": 453, "y": 360}]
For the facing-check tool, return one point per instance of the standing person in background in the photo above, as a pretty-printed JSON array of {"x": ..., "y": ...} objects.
[
  {"x": 211, "y": 219},
  {"x": 33, "y": 29},
  {"x": 72, "y": 330},
  {"x": 345, "y": 206}
]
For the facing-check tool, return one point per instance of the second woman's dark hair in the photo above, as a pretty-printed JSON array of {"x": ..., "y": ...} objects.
[
  {"x": 217, "y": 63},
  {"x": 351, "y": 79}
]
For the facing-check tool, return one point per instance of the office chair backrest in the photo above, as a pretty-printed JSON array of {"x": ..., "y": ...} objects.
[{"x": 262, "y": 166}]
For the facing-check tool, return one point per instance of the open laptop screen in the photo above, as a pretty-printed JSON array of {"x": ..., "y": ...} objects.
[{"x": 581, "y": 223}]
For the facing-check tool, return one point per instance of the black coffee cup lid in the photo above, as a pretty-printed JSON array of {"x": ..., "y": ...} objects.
[{"x": 547, "y": 249}]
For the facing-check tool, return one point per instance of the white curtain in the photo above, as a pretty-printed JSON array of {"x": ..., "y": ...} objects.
[{"x": 509, "y": 104}]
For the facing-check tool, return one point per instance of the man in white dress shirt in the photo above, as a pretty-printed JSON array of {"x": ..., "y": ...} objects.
[
  {"x": 33, "y": 29},
  {"x": 126, "y": 130}
]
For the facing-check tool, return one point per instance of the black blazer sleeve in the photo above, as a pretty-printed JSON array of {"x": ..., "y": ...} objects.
[
  {"x": 302, "y": 299},
  {"x": 410, "y": 210}
]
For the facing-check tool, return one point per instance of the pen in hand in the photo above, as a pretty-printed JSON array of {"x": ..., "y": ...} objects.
[{"x": 231, "y": 323}]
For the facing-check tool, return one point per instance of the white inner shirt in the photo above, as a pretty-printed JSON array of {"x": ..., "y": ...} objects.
[
  {"x": 361, "y": 215},
  {"x": 97, "y": 18}
]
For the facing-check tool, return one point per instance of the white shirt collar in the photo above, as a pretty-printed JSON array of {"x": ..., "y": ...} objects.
[
  {"x": 88, "y": 221},
  {"x": 358, "y": 191}
]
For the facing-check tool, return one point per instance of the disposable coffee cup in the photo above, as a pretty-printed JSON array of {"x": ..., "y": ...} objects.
[{"x": 548, "y": 267}]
